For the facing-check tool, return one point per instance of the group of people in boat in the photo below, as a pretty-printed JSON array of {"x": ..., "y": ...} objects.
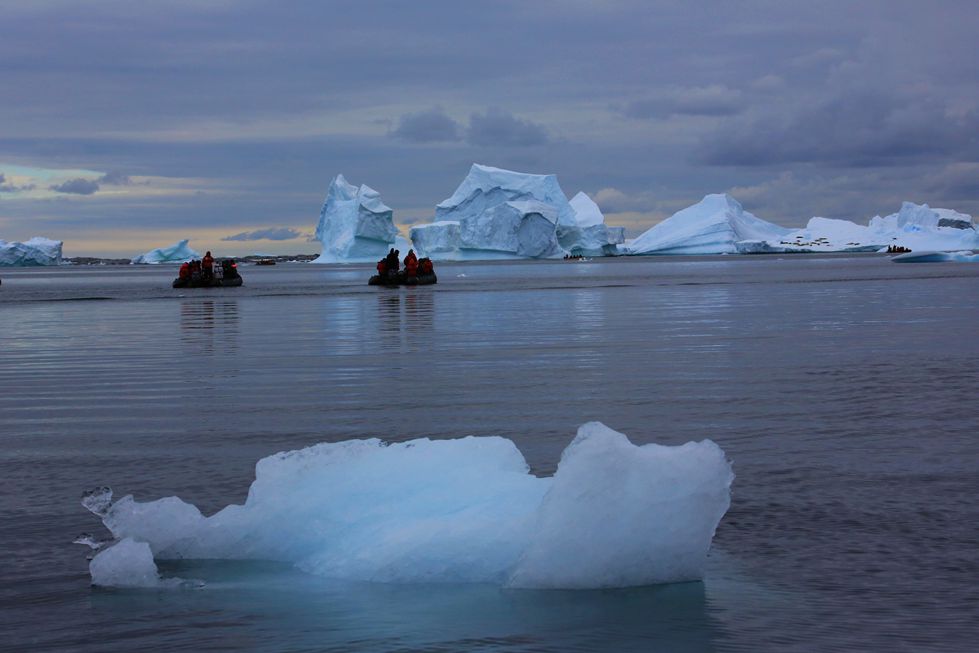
[
  {"x": 414, "y": 267},
  {"x": 207, "y": 271},
  {"x": 897, "y": 249}
]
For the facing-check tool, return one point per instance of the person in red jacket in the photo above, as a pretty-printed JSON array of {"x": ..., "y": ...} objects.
[
  {"x": 185, "y": 270},
  {"x": 207, "y": 265},
  {"x": 426, "y": 266},
  {"x": 411, "y": 264}
]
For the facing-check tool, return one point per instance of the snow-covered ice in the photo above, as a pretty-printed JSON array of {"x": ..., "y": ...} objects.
[
  {"x": 36, "y": 251},
  {"x": 465, "y": 510},
  {"x": 176, "y": 253},
  {"x": 715, "y": 225},
  {"x": 354, "y": 225}
]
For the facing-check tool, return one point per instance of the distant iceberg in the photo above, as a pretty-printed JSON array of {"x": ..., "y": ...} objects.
[
  {"x": 715, "y": 225},
  {"x": 937, "y": 257},
  {"x": 614, "y": 514},
  {"x": 355, "y": 225},
  {"x": 176, "y": 253},
  {"x": 593, "y": 237},
  {"x": 36, "y": 251},
  {"x": 915, "y": 226}
]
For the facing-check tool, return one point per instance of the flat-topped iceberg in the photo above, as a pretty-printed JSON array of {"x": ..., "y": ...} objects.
[
  {"x": 176, "y": 253},
  {"x": 715, "y": 225},
  {"x": 467, "y": 510},
  {"x": 36, "y": 251},
  {"x": 354, "y": 225}
]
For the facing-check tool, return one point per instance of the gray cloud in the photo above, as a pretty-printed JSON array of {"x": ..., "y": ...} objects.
[
  {"x": 272, "y": 233},
  {"x": 115, "y": 178},
  {"x": 851, "y": 129},
  {"x": 713, "y": 100},
  {"x": 11, "y": 188},
  {"x": 500, "y": 128},
  {"x": 431, "y": 126},
  {"x": 77, "y": 186}
]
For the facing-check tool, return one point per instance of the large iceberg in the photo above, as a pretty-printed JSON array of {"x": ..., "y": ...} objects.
[
  {"x": 176, "y": 253},
  {"x": 468, "y": 510},
  {"x": 355, "y": 225},
  {"x": 715, "y": 225},
  {"x": 36, "y": 251},
  {"x": 593, "y": 237},
  {"x": 500, "y": 214}
]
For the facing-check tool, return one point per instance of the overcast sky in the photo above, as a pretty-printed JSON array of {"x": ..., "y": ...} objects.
[{"x": 128, "y": 125}]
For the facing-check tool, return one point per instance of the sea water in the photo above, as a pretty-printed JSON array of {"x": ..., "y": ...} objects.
[{"x": 842, "y": 388}]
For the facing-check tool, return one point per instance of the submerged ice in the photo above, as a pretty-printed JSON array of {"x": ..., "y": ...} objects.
[{"x": 466, "y": 510}]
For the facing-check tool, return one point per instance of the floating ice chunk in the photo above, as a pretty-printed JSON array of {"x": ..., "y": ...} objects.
[
  {"x": 619, "y": 514},
  {"x": 126, "y": 563},
  {"x": 36, "y": 251},
  {"x": 97, "y": 501},
  {"x": 465, "y": 510},
  {"x": 176, "y": 253},
  {"x": 354, "y": 225}
]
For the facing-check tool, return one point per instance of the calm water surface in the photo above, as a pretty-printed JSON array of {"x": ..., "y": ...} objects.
[{"x": 843, "y": 389}]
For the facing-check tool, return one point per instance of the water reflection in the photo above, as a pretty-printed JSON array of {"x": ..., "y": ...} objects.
[
  {"x": 209, "y": 324},
  {"x": 274, "y": 606}
]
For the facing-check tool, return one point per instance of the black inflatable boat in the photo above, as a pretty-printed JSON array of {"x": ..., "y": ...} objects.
[{"x": 400, "y": 279}]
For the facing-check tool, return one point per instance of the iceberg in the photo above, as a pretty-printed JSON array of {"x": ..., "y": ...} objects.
[
  {"x": 937, "y": 257},
  {"x": 466, "y": 510},
  {"x": 501, "y": 214},
  {"x": 36, "y": 251},
  {"x": 593, "y": 237},
  {"x": 355, "y": 225},
  {"x": 176, "y": 253},
  {"x": 914, "y": 226},
  {"x": 715, "y": 225},
  {"x": 438, "y": 240}
]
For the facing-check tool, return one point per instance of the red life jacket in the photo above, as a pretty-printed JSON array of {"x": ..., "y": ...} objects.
[{"x": 381, "y": 267}]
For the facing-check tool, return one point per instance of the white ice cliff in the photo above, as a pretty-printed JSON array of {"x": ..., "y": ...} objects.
[
  {"x": 715, "y": 225},
  {"x": 36, "y": 251},
  {"x": 468, "y": 510},
  {"x": 176, "y": 253},
  {"x": 355, "y": 225}
]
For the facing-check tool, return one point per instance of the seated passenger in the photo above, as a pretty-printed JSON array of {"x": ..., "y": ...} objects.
[
  {"x": 411, "y": 264},
  {"x": 184, "y": 271},
  {"x": 425, "y": 265}
]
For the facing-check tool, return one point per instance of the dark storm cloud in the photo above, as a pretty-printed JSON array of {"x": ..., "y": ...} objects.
[
  {"x": 431, "y": 126},
  {"x": 77, "y": 186},
  {"x": 272, "y": 233},
  {"x": 499, "y": 128}
]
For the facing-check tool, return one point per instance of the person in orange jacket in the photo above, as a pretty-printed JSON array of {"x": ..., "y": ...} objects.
[
  {"x": 411, "y": 264},
  {"x": 185, "y": 270},
  {"x": 426, "y": 266}
]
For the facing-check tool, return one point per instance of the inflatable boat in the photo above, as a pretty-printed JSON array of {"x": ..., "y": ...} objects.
[
  {"x": 207, "y": 283},
  {"x": 400, "y": 279}
]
